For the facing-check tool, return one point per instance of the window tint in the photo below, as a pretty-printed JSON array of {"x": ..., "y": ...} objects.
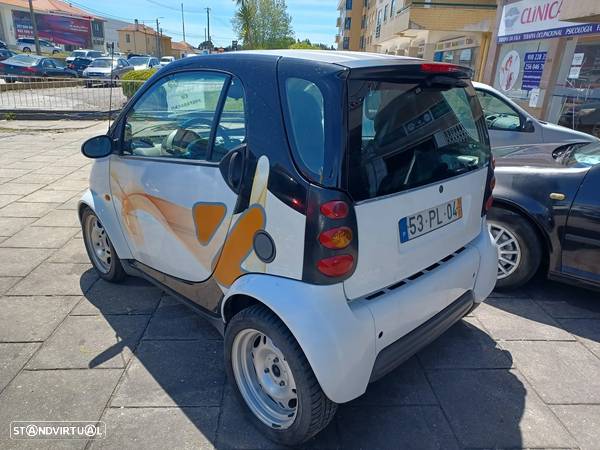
[
  {"x": 405, "y": 135},
  {"x": 231, "y": 131},
  {"x": 306, "y": 112},
  {"x": 499, "y": 115},
  {"x": 174, "y": 118}
]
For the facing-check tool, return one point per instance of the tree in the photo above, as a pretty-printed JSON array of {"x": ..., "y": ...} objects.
[
  {"x": 307, "y": 45},
  {"x": 263, "y": 24}
]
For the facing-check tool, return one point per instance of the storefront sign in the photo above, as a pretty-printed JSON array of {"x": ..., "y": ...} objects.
[
  {"x": 538, "y": 19},
  {"x": 509, "y": 70},
  {"x": 533, "y": 68},
  {"x": 58, "y": 29}
]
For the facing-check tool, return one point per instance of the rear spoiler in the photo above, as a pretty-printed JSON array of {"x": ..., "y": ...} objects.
[{"x": 418, "y": 71}]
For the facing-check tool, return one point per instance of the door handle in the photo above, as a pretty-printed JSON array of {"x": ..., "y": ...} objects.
[{"x": 231, "y": 169}]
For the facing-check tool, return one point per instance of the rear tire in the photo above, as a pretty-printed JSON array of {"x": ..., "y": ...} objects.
[
  {"x": 26, "y": 50},
  {"x": 100, "y": 250},
  {"x": 261, "y": 355},
  {"x": 519, "y": 247}
]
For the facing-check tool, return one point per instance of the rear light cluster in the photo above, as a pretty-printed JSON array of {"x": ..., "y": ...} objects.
[
  {"x": 488, "y": 199},
  {"x": 335, "y": 238}
]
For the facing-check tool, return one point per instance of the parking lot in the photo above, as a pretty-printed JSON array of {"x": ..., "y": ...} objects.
[{"x": 522, "y": 371}]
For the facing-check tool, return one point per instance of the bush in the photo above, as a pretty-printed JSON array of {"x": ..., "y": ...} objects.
[{"x": 133, "y": 79}]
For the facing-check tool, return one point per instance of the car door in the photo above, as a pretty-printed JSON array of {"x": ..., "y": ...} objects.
[
  {"x": 173, "y": 203},
  {"x": 49, "y": 68},
  {"x": 506, "y": 126},
  {"x": 581, "y": 242}
]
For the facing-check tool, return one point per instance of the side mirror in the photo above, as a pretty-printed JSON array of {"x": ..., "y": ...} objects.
[
  {"x": 528, "y": 126},
  {"x": 97, "y": 147}
]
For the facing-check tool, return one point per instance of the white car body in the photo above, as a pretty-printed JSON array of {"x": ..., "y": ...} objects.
[{"x": 166, "y": 60}]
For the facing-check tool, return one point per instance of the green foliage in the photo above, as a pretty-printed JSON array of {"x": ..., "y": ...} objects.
[
  {"x": 307, "y": 45},
  {"x": 133, "y": 79},
  {"x": 263, "y": 24},
  {"x": 10, "y": 116}
]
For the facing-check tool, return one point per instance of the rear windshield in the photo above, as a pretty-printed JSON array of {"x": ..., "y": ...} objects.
[
  {"x": 405, "y": 135},
  {"x": 102, "y": 63}
]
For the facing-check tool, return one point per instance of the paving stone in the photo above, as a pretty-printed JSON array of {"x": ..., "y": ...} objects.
[
  {"x": 7, "y": 172},
  {"x": 406, "y": 427},
  {"x": 573, "y": 309},
  {"x": 19, "y": 188},
  {"x": 58, "y": 218},
  {"x": 91, "y": 342},
  {"x": 11, "y": 225},
  {"x": 174, "y": 428},
  {"x": 496, "y": 409},
  {"x": 583, "y": 422},
  {"x": 65, "y": 184},
  {"x": 12, "y": 359},
  {"x": 68, "y": 395},
  {"x": 56, "y": 279},
  {"x": 586, "y": 331},
  {"x": 32, "y": 178},
  {"x": 6, "y": 283},
  {"x": 560, "y": 372},
  {"x": 55, "y": 170},
  {"x": 26, "y": 165},
  {"x": 18, "y": 262},
  {"x": 174, "y": 320},
  {"x": 40, "y": 237},
  {"x": 72, "y": 252},
  {"x": 517, "y": 319},
  {"x": 27, "y": 319},
  {"x": 133, "y": 296},
  {"x": 48, "y": 196},
  {"x": 8, "y": 199},
  {"x": 543, "y": 289},
  {"x": 407, "y": 385},
  {"x": 72, "y": 204},
  {"x": 465, "y": 346},
  {"x": 21, "y": 209},
  {"x": 173, "y": 373}
]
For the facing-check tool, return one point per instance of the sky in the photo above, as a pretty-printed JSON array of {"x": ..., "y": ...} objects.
[{"x": 311, "y": 19}]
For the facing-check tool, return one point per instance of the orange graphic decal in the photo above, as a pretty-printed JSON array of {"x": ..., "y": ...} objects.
[{"x": 208, "y": 217}]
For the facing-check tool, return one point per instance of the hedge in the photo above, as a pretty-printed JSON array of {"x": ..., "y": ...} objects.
[{"x": 133, "y": 79}]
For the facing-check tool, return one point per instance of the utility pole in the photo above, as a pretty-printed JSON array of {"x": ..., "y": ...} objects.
[
  {"x": 183, "y": 22},
  {"x": 208, "y": 26},
  {"x": 157, "y": 39},
  {"x": 35, "y": 32}
]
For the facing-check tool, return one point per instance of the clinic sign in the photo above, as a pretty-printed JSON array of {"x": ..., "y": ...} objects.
[{"x": 538, "y": 19}]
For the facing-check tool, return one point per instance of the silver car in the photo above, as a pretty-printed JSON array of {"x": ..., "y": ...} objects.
[
  {"x": 144, "y": 62},
  {"x": 27, "y": 45},
  {"x": 106, "y": 69},
  {"x": 509, "y": 124}
]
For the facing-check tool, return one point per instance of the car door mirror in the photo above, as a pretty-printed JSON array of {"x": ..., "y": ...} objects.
[
  {"x": 528, "y": 126},
  {"x": 97, "y": 147}
]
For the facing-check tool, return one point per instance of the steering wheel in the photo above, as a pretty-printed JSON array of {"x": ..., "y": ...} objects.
[{"x": 208, "y": 123}]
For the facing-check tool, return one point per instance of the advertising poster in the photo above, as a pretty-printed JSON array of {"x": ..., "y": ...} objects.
[
  {"x": 509, "y": 70},
  {"x": 533, "y": 68},
  {"x": 57, "y": 29}
]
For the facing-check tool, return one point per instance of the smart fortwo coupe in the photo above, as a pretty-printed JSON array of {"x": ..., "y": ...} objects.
[{"x": 325, "y": 210}]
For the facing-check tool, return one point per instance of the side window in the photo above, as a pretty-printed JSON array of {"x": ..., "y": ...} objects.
[
  {"x": 499, "y": 115},
  {"x": 231, "y": 130},
  {"x": 306, "y": 112},
  {"x": 174, "y": 118},
  {"x": 49, "y": 64}
]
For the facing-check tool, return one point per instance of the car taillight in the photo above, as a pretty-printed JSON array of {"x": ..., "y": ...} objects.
[
  {"x": 440, "y": 68},
  {"x": 335, "y": 266},
  {"x": 488, "y": 199},
  {"x": 336, "y": 238},
  {"x": 335, "y": 209}
]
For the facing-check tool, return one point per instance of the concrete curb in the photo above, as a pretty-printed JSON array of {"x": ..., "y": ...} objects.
[{"x": 32, "y": 114}]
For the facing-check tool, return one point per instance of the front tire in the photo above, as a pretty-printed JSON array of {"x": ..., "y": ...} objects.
[
  {"x": 273, "y": 379},
  {"x": 99, "y": 248},
  {"x": 519, "y": 247}
]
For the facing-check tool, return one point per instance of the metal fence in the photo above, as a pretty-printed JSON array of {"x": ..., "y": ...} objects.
[{"x": 85, "y": 95}]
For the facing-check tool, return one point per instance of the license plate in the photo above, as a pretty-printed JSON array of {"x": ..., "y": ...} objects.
[{"x": 430, "y": 219}]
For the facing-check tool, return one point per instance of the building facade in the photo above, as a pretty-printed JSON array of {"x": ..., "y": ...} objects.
[
  {"x": 545, "y": 55},
  {"x": 142, "y": 39}
]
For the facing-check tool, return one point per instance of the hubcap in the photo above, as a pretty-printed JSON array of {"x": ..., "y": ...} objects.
[
  {"x": 264, "y": 378},
  {"x": 509, "y": 251},
  {"x": 98, "y": 243}
]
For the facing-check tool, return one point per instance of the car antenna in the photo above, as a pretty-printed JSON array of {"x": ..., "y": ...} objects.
[{"x": 112, "y": 56}]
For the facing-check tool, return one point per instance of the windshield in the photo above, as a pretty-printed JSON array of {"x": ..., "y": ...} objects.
[
  {"x": 166, "y": 59},
  {"x": 102, "y": 63},
  {"x": 138, "y": 61},
  {"x": 405, "y": 135},
  {"x": 24, "y": 60},
  {"x": 77, "y": 53}
]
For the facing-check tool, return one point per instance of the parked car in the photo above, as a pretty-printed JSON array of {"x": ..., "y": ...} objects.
[
  {"x": 3, "y": 44},
  {"x": 546, "y": 213},
  {"x": 106, "y": 71},
  {"x": 5, "y": 54},
  {"x": 254, "y": 220},
  {"x": 166, "y": 60},
  {"x": 79, "y": 65},
  {"x": 91, "y": 54},
  {"x": 27, "y": 65},
  {"x": 144, "y": 62},
  {"x": 509, "y": 124},
  {"x": 27, "y": 45}
]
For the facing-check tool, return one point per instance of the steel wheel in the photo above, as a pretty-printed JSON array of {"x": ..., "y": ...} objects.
[
  {"x": 509, "y": 250},
  {"x": 264, "y": 378},
  {"x": 98, "y": 239}
]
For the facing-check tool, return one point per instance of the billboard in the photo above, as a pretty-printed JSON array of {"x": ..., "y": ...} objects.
[{"x": 58, "y": 29}]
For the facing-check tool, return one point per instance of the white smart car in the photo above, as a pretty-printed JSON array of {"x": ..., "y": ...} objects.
[{"x": 326, "y": 211}]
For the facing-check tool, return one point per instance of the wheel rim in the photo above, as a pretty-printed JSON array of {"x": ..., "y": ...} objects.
[
  {"x": 509, "y": 250},
  {"x": 264, "y": 379},
  {"x": 99, "y": 244}
]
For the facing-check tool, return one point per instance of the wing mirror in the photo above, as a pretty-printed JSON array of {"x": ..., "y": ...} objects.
[
  {"x": 528, "y": 126},
  {"x": 97, "y": 147}
]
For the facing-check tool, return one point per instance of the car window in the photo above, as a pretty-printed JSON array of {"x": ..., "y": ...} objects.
[
  {"x": 174, "y": 118},
  {"x": 499, "y": 115},
  {"x": 231, "y": 130},
  {"x": 48, "y": 63}
]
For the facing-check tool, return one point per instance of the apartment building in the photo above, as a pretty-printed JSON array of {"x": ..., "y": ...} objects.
[{"x": 349, "y": 36}]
